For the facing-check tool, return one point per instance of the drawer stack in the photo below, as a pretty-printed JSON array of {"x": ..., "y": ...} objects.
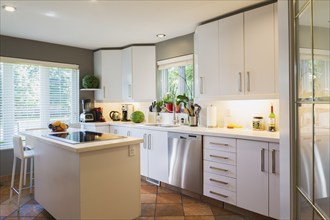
[{"x": 220, "y": 168}]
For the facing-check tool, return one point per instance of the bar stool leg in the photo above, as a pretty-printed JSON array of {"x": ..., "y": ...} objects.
[
  {"x": 25, "y": 171},
  {"x": 31, "y": 173},
  {"x": 20, "y": 184},
  {"x": 12, "y": 178}
]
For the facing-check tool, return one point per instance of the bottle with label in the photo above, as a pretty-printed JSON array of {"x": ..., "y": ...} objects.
[{"x": 271, "y": 120}]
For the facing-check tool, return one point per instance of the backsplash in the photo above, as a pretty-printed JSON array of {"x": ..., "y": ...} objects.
[{"x": 239, "y": 112}]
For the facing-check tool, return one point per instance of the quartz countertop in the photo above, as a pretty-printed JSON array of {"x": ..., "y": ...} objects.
[
  {"x": 82, "y": 147},
  {"x": 241, "y": 133}
]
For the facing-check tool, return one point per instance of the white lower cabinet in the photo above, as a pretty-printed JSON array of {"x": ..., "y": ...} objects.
[
  {"x": 220, "y": 168},
  {"x": 120, "y": 130},
  {"x": 153, "y": 153},
  {"x": 97, "y": 128},
  {"x": 258, "y": 177}
]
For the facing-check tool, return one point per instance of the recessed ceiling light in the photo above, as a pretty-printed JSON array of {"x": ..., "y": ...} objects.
[
  {"x": 9, "y": 8},
  {"x": 161, "y": 35}
]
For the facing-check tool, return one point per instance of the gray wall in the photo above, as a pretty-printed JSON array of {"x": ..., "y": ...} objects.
[
  {"x": 175, "y": 47},
  {"x": 35, "y": 50}
]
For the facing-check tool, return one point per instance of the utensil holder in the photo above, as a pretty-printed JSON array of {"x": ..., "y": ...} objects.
[{"x": 193, "y": 121}]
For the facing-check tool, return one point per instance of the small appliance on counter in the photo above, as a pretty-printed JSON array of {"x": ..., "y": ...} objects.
[
  {"x": 86, "y": 115},
  {"x": 127, "y": 110},
  {"x": 114, "y": 115},
  {"x": 98, "y": 114}
]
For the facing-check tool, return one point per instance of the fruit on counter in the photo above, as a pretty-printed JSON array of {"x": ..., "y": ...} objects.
[
  {"x": 58, "y": 126},
  {"x": 137, "y": 117},
  {"x": 231, "y": 126}
]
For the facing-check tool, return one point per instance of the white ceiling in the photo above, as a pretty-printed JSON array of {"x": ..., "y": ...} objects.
[{"x": 94, "y": 24}]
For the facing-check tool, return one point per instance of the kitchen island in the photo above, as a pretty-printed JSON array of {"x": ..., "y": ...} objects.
[{"x": 91, "y": 180}]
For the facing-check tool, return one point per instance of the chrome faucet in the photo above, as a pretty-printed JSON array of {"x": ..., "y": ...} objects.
[{"x": 174, "y": 109}]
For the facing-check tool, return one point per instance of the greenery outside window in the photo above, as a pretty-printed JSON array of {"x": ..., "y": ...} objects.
[
  {"x": 176, "y": 76},
  {"x": 35, "y": 93}
]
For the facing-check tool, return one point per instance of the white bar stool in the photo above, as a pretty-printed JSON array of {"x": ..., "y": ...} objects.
[{"x": 23, "y": 156}]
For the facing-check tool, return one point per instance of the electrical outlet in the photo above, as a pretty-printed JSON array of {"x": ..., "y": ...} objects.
[{"x": 131, "y": 151}]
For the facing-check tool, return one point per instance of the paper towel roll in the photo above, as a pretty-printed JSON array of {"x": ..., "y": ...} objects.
[{"x": 211, "y": 116}]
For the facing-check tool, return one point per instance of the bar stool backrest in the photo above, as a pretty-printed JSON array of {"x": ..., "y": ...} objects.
[{"x": 18, "y": 146}]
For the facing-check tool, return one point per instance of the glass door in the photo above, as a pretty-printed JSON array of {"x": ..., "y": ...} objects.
[{"x": 312, "y": 108}]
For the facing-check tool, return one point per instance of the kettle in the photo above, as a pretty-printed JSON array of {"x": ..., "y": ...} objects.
[{"x": 114, "y": 115}]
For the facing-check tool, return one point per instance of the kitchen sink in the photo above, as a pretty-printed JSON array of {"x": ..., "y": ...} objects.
[{"x": 161, "y": 125}]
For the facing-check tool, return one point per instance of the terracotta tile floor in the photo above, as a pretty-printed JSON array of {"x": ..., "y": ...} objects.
[{"x": 157, "y": 203}]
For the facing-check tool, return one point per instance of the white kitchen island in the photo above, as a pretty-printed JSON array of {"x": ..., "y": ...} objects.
[{"x": 93, "y": 180}]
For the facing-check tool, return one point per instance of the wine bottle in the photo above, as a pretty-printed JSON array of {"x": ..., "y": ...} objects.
[{"x": 271, "y": 120}]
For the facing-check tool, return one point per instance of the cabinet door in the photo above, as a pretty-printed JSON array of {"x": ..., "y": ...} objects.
[
  {"x": 144, "y": 73},
  {"x": 231, "y": 55},
  {"x": 144, "y": 163},
  {"x": 274, "y": 180},
  {"x": 259, "y": 51},
  {"x": 107, "y": 67},
  {"x": 252, "y": 176},
  {"x": 158, "y": 155},
  {"x": 127, "y": 71},
  {"x": 206, "y": 60}
]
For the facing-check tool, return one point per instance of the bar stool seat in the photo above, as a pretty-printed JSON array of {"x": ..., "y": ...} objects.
[{"x": 19, "y": 153}]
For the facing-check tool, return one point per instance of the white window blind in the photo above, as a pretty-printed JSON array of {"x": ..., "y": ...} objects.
[{"x": 33, "y": 95}]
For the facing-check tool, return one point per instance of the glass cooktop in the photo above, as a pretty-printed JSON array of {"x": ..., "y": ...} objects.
[{"x": 77, "y": 137}]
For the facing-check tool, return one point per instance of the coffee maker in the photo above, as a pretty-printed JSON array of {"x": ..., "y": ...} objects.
[
  {"x": 127, "y": 110},
  {"x": 86, "y": 115}
]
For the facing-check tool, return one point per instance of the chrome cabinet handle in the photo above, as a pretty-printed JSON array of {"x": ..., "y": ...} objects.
[
  {"x": 129, "y": 87},
  {"x": 201, "y": 87},
  {"x": 149, "y": 141},
  {"x": 220, "y": 144},
  {"x": 115, "y": 131},
  {"x": 128, "y": 133},
  {"x": 220, "y": 157},
  {"x": 216, "y": 168},
  {"x": 218, "y": 194},
  {"x": 104, "y": 92},
  {"x": 273, "y": 161},
  {"x": 218, "y": 181},
  {"x": 144, "y": 141},
  {"x": 262, "y": 160},
  {"x": 240, "y": 82},
  {"x": 248, "y": 81}
]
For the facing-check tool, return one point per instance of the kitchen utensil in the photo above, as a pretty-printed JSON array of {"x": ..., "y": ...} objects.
[{"x": 114, "y": 115}]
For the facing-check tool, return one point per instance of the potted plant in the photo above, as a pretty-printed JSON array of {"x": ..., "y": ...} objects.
[
  {"x": 168, "y": 101},
  {"x": 181, "y": 99}
]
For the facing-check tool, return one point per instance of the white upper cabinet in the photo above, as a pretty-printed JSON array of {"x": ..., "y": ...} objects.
[
  {"x": 259, "y": 39},
  {"x": 107, "y": 67},
  {"x": 235, "y": 56},
  {"x": 231, "y": 55},
  {"x": 139, "y": 73},
  {"x": 206, "y": 60}
]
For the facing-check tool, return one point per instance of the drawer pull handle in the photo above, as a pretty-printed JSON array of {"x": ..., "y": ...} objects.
[
  {"x": 218, "y": 181},
  {"x": 216, "y": 168},
  {"x": 262, "y": 159},
  {"x": 220, "y": 157},
  {"x": 220, "y": 144},
  {"x": 273, "y": 161},
  {"x": 218, "y": 194}
]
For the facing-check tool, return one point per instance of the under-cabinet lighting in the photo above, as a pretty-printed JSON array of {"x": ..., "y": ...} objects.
[
  {"x": 9, "y": 8},
  {"x": 161, "y": 35}
]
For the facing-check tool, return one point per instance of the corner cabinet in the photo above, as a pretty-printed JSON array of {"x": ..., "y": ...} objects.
[
  {"x": 139, "y": 73},
  {"x": 258, "y": 177},
  {"x": 107, "y": 67}
]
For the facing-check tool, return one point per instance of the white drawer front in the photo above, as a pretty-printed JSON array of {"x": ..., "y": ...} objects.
[
  {"x": 220, "y": 181},
  {"x": 219, "y": 168},
  {"x": 219, "y": 143},
  {"x": 220, "y": 156},
  {"x": 220, "y": 194}
]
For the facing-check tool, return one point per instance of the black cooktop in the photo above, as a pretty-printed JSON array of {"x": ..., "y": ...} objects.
[{"x": 77, "y": 137}]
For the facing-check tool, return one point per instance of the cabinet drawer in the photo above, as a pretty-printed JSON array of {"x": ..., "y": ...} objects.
[
  {"x": 219, "y": 168},
  {"x": 220, "y": 181},
  {"x": 219, "y": 143},
  {"x": 220, "y": 156},
  {"x": 220, "y": 194}
]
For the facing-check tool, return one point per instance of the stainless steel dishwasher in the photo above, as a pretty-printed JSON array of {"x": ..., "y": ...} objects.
[{"x": 185, "y": 161}]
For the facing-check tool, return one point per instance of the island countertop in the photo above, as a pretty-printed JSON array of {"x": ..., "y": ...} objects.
[{"x": 82, "y": 147}]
